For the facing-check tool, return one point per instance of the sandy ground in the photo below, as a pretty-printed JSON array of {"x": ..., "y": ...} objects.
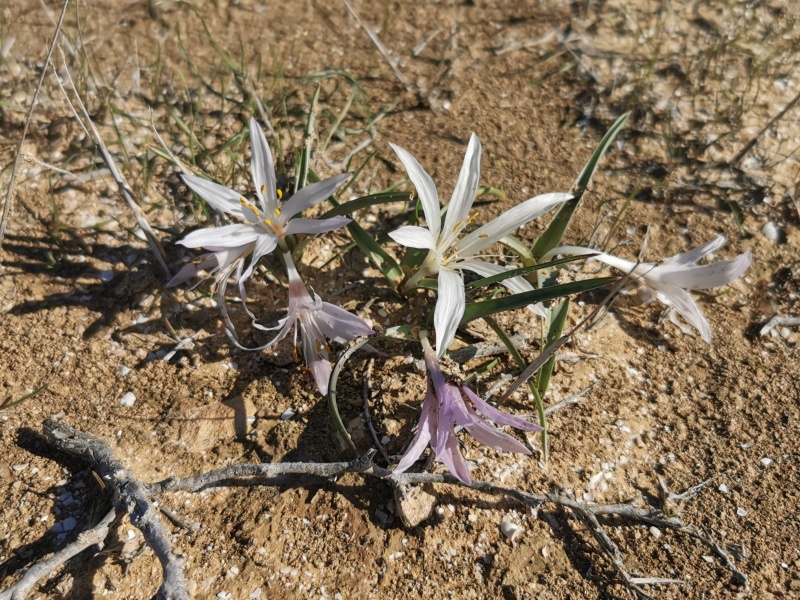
[{"x": 86, "y": 319}]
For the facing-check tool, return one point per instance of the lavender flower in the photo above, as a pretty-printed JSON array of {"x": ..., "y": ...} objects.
[
  {"x": 319, "y": 322},
  {"x": 444, "y": 408}
]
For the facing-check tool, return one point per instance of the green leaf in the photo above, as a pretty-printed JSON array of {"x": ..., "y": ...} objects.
[
  {"x": 476, "y": 310},
  {"x": 559, "y": 318},
  {"x": 302, "y": 171},
  {"x": 352, "y": 206},
  {"x": 522, "y": 271},
  {"x": 551, "y": 238},
  {"x": 515, "y": 245}
]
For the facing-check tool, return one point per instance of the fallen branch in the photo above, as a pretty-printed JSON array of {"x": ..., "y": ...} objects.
[{"x": 132, "y": 496}]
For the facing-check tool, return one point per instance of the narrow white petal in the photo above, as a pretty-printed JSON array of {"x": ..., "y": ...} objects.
[
  {"x": 612, "y": 261},
  {"x": 449, "y": 308},
  {"x": 487, "y": 269},
  {"x": 301, "y": 225},
  {"x": 510, "y": 220},
  {"x": 262, "y": 168},
  {"x": 426, "y": 189},
  {"x": 414, "y": 237},
  {"x": 692, "y": 256},
  {"x": 264, "y": 245},
  {"x": 228, "y": 236},
  {"x": 684, "y": 303},
  {"x": 706, "y": 276},
  {"x": 311, "y": 195},
  {"x": 464, "y": 192},
  {"x": 218, "y": 196}
]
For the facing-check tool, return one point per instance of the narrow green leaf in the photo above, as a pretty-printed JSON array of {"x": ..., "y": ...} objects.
[
  {"x": 515, "y": 245},
  {"x": 352, "y": 206},
  {"x": 551, "y": 238},
  {"x": 476, "y": 310},
  {"x": 480, "y": 283},
  {"x": 302, "y": 171},
  {"x": 559, "y": 318}
]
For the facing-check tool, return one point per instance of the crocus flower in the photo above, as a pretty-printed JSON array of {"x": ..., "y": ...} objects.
[
  {"x": 669, "y": 280},
  {"x": 319, "y": 322},
  {"x": 448, "y": 254},
  {"x": 267, "y": 221},
  {"x": 449, "y": 404}
]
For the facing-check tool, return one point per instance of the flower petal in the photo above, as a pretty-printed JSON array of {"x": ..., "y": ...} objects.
[
  {"x": 227, "y": 236},
  {"x": 425, "y": 430},
  {"x": 692, "y": 256},
  {"x": 301, "y": 225},
  {"x": 513, "y": 218},
  {"x": 412, "y": 236},
  {"x": 449, "y": 308},
  {"x": 464, "y": 192},
  {"x": 705, "y": 276},
  {"x": 426, "y": 189},
  {"x": 315, "y": 353},
  {"x": 496, "y": 415},
  {"x": 262, "y": 168},
  {"x": 311, "y": 195},
  {"x": 450, "y": 455},
  {"x": 340, "y": 325},
  {"x": 264, "y": 245},
  {"x": 218, "y": 196},
  {"x": 683, "y": 302}
]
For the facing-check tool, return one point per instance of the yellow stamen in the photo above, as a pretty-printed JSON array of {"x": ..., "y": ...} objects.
[
  {"x": 263, "y": 189},
  {"x": 267, "y": 221},
  {"x": 280, "y": 194},
  {"x": 249, "y": 205},
  {"x": 277, "y": 213},
  {"x": 483, "y": 236}
]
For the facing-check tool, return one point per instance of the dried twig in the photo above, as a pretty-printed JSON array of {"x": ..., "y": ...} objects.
[
  {"x": 130, "y": 495},
  {"x": 34, "y": 100},
  {"x": 91, "y": 537}
]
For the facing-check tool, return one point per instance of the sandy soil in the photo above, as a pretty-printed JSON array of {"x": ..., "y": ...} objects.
[{"x": 86, "y": 319}]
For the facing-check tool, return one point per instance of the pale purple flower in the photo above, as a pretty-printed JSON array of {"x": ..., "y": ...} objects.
[
  {"x": 449, "y": 404},
  {"x": 448, "y": 255},
  {"x": 318, "y": 321},
  {"x": 267, "y": 221},
  {"x": 669, "y": 280}
]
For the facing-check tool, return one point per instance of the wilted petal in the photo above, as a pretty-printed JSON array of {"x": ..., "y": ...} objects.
[
  {"x": 227, "y": 236},
  {"x": 425, "y": 429},
  {"x": 498, "y": 416},
  {"x": 300, "y": 225},
  {"x": 482, "y": 431},
  {"x": 464, "y": 192},
  {"x": 515, "y": 217},
  {"x": 706, "y": 276},
  {"x": 412, "y": 236},
  {"x": 339, "y": 325},
  {"x": 692, "y": 256},
  {"x": 217, "y": 196},
  {"x": 683, "y": 302},
  {"x": 311, "y": 195},
  {"x": 449, "y": 308},
  {"x": 451, "y": 457},
  {"x": 262, "y": 168},
  {"x": 315, "y": 353},
  {"x": 426, "y": 189}
]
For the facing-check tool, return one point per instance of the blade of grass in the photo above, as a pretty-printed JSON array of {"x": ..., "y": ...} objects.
[{"x": 558, "y": 319}]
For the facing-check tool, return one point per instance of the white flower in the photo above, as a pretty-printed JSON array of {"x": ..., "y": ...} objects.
[
  {"x": 449, "y": 255},
  {"x": 669, "y": 280},
  {"x": 267, "y": 221},
  {"x": 319, "y": 322}
]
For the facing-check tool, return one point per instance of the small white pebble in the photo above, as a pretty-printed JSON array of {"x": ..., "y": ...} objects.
[
  {"x": 131, "y": 534},
  {"x": 655, "y": 532},
  {"x": 766, "y": 461},
  {"x": 724, "y": 489},
  {"x": 123, "y": 371},
  {"x": 287, "y": 414},
  {"x": 19, "y": 467},
  {"x": 128, "y": 399},
  {"x": 510, "y": 529},
  {"x": 741, "y": 511},
  {"x": 771, "y": 231},
  {"x": 255, "y": 594},
  {"x": 708, "y": 559}
]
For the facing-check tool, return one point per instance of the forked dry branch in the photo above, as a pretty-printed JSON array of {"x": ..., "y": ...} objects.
[{"x": 134, "y": 498}]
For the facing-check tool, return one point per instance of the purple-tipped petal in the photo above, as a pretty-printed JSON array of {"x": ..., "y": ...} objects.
[
  {"x": 452, "y": 459},
  {"x": 498, "y": 416},
  {"x": 425, "y": 431}
]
